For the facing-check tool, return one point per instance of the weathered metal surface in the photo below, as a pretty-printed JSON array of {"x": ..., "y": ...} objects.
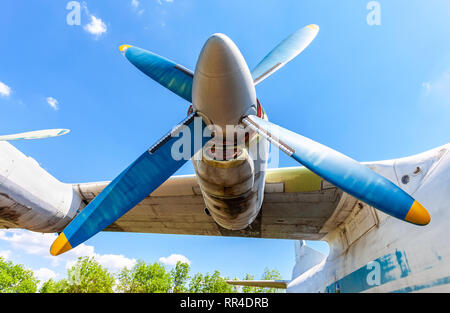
[
  {"x": 411, "y": 258},
  {"x": 373, "y": 252},
  {"x": 31, "y": 198},
  {"x": 231, "y": 177},
  {"x": 176, "y": 208},
  {"x": 305, "y": 258}
]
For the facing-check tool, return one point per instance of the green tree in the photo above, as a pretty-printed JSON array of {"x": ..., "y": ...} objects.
[
  {"x": 247, "y": 289},
  {"x": 216, "y": 284},
  {"x": 145, "y": 278},
  {"x": 180, "y": 275},
  {"x": 16, "y": 279},
  {"x": 88, "y": 276},
  {"x": 267, "y": 275},
  {"x": 52, "y": 286},
  {"x": 209, "y": 284},
  {"x": 271, "y": 275},
  {"x": 196, "y": 283}
]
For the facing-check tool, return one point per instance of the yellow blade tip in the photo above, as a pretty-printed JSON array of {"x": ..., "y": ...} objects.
[
  {"x": 418, "y": 215},
  {"x": 123, "y": 48},
  {"x": 313, "y": 26},
  {"x": 60, "y": 245}
]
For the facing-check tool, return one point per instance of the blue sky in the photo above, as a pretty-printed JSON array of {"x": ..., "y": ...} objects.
[{"x": 371, "y": 92}]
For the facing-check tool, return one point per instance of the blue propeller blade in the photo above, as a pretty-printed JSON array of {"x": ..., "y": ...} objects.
[
  {"x": 343, "y": 172},
  {"x": 169, "y": 74},
  {"x": 282, "y": 54},
  {"x": 134, "y": 184}
]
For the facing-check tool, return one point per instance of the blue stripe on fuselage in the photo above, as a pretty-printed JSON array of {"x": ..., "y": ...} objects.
[{"x": 391, "y": 267}]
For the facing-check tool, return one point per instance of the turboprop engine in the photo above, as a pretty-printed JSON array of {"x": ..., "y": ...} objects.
[{"x": 231, "y": 176}]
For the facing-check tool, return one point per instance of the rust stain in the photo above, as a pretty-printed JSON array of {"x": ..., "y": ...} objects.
[
  {"x": 115, "y": 228},
  {"x": 8, "y": 213},
  {"x": 234, "y": 207}
]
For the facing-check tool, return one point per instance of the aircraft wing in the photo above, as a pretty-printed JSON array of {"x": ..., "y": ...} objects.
[{"x": 297, "y": 205}]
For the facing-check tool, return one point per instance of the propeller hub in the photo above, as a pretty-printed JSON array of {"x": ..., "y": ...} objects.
[{"x": 223, "y": 88}]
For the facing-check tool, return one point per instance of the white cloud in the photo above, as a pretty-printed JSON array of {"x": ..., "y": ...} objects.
[
  {"x": 96, "y": 27},
  {"x": 113, "y": 262},
  {"x": 44, "y": 274},
  {"x": 29, "y": 242},
  {"x": 427, "y": 87},
  {"x": 5, "y": 254},
  {"x": 136, "y": 4},
  {"x": 116, "y": 262},
  {"x": 440, "y": 87},
  {"x": 53, "y": 103},
  {"x": 173, "y": 259},
  {"x": 161, "y": 1},
  {"x": 5, "y": 90},
  {"x": 39, "y": 245}
]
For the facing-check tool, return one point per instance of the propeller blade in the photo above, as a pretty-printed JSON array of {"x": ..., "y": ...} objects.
[
  {"x": 39, "y": 134},
  {"x": 169, "y": 74},
  {"x": 343, "y": 172},
  {"x": 134, "y": 184},
  {"x": 282, "y": 54}
]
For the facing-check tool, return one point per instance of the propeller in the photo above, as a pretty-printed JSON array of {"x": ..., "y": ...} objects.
[
  {"x": 39, "y": 134},
  {"x": 150, "y": 170},
  {"x": 157, "y": 164},
  {"x": 345, "y": 173},
  {"x": 282, "y": 54},
  {"x": 169, "y": 74},
  {"x": 133, "y": 185},
  {"x": 179, "y": 79}
]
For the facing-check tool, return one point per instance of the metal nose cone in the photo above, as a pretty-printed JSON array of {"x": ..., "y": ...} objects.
[
  {"x": 223, "y": 89},
  {"x": 219, "y": 57}
]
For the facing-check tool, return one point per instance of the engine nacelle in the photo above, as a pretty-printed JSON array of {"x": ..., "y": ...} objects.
[{"x": 232, "y": 181}]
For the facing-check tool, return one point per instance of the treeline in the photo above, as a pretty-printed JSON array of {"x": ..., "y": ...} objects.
[{"x": 88, "y": 276}]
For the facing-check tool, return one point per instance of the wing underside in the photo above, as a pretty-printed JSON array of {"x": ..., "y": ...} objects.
[{"x": 297, "y": 205}]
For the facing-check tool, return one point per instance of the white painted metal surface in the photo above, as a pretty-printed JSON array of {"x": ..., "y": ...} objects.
[
  {"x": 391, "y": 255},
  {"x": 30, "y": 197}
]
